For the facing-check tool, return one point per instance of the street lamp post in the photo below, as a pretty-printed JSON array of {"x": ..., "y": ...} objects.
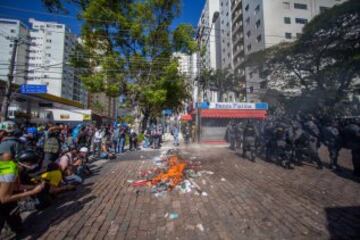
[{"x": 198, "y": 110}]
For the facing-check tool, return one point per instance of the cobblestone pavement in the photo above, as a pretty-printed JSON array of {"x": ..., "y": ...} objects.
[{"x": 245, "y": 200}]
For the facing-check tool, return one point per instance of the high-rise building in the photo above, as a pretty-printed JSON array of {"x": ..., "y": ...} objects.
[
  {"x": 237, "y": 38},
  {"x": 188, "y": 65},
  {"x": 9, "y": 31},
  {"x": 266, "y": 23},
  {"x": 208, "y": 37},
  {"x": 43, "y": 56},
  {"x": 225, "y": 32},
  {"x": 50, "y": 51}
]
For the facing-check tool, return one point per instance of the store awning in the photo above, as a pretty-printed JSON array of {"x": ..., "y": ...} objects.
[
  {"x": 186, "y": 117},
  {"x": 233, "y": 113}
]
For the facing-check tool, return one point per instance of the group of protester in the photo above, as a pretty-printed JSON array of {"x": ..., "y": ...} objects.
[
  {"x": 291, "y": 140},
  {"x": 39, "y": 162}
]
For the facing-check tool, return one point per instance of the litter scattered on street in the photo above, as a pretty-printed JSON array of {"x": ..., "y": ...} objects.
[
  {"x": 170, "y": 172},
  {"x": 200, "y": 227},
  {"x": 173, "y": 216}
]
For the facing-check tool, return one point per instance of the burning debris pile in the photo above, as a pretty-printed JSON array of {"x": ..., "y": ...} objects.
[{"x": 171, "y": 172}]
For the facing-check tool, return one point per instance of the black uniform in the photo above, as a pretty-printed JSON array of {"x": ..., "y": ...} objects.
[
  {"x": 282, "y": 147},
  {"x": 230, "y": 133},
  {"x": 239, "y": 131},
  {"x": 332, "y": 139},
  {"x": 351, "y": 134},
  {"x": 250, "y": 138},
  {"x": 313, "y": 141}
]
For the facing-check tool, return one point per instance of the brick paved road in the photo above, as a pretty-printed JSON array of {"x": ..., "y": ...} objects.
[{"x": 245, "y": 200}]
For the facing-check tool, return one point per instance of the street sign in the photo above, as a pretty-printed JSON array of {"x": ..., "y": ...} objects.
[
  {"x": 262, "y": 106},
  {"x": 33, "y": 89},
  {"x": 238, "y": 105},
  {"x": 203, "y": 105},
  {"x": 167, "y": 112}
]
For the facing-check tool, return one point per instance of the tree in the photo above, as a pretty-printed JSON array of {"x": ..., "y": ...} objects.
[
  {"x": 325, "y": 60},
  {"x": 127, "y": 49},
  {"x": 220, "y": 80}
]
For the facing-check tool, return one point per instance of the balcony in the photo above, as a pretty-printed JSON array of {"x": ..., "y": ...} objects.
[
  {"x": 236, "y": 5},
  {"x": 237, "y": 26}
]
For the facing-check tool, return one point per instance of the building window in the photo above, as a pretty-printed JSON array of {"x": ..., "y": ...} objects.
[
  {"x": 248, "y": 33},
  {"x": 287, "y": 20},
  {"x": 249, "y": 47},
  {"x": 301, "y": 20},
  {"x": 247, "y": 21},
  {"x": 300, "y": 6},
  {"x": 258, "y": 23},
  {"x": 257, "y": 9},
  {"x": 48, "y": 40},
  {"x": 12, "y": 30},
  {"x": 247, "y": 7},
  {"x": 288, "y": 35},
  {"x": 258, "y": 38},
  {"x": 286, "y": 5},
  {"x": 323, "y": 9}
]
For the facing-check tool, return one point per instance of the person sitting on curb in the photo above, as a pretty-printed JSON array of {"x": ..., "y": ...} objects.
[
  {"x": 68, "y": 165},
  {"x": 10, "y": 191}
]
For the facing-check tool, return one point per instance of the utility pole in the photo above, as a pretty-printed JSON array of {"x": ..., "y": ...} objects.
[
  {"x": 8, "y": 88},
  {"x": 198, "y": 100}
]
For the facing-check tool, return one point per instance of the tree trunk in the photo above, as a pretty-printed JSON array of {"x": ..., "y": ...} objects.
[{"x": 146, "y": 115}]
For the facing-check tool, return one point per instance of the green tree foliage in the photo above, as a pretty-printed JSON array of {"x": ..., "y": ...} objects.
[
  {"x": 221, "y": 81},
  {"x": 127, "y": 48}
]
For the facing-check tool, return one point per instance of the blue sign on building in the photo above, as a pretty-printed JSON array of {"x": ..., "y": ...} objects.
[
  {"x": 33, "y": 89},
  {"x": 167, "y": 112},
  {"x": 203, "y": 105},
  {"x": 262, "y": 106}
]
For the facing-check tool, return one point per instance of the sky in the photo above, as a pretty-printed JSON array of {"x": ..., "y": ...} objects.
[{"x": 25, "y": 9}]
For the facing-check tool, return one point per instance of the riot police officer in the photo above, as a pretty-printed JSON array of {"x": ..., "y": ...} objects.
[
  {"x": 330, "y": 135},
  {"x": 351, "y": 135},
  {"x": 282, "y": 147},
  {"x": 313, "y": 134},
  {"x": 250, "y": 138},
  {"x": 230, "y": 133},
  {"x": 239, "y": 131}
]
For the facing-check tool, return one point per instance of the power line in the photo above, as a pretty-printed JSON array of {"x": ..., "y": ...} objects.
[{"x": 65, "y": 16}]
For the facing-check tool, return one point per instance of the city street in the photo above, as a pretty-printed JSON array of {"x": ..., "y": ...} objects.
[
  {"x": 133, "y": 119},
  {"x": 243, "y": 200}
]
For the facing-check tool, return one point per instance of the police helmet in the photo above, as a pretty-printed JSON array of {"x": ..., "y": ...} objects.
[{"x": 28, "y": 156}]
